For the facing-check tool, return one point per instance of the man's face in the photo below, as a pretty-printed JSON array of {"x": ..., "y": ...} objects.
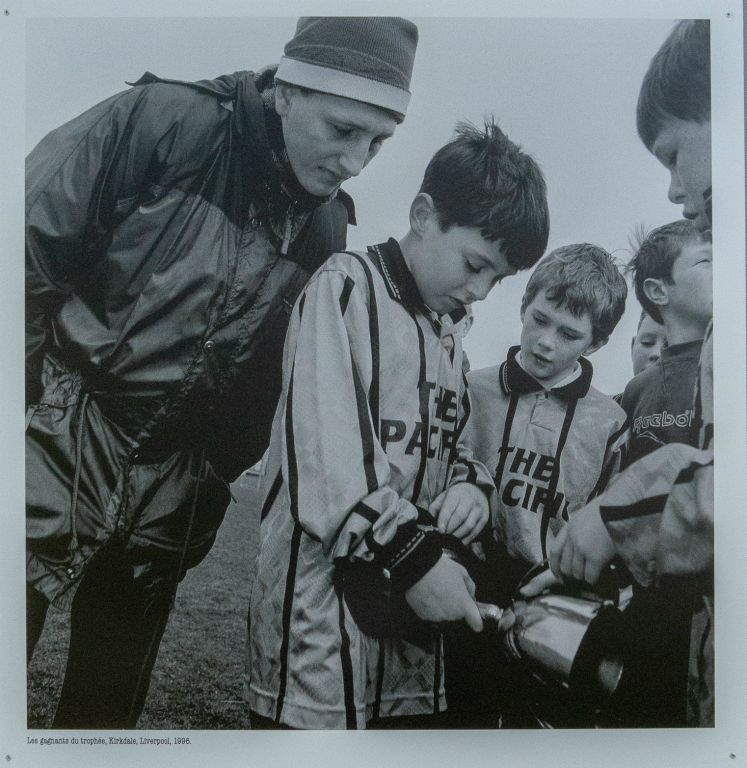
[
  {"x": 552, "y": 339},
  {"x": 458, "y": 266},
  {"x": 647, "y": 344},
  {"x": 683, "y": 147},
  {"x": 691, "y": 290},
  {"x": 329, "y": 139}
]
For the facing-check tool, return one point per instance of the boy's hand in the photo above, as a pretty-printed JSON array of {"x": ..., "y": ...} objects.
[
  {"x": 461, "y": 510},
  {"x": 445, "y": 593},
  {"x": 583, "y": 548},
  {"x": 539, "y": 584}
]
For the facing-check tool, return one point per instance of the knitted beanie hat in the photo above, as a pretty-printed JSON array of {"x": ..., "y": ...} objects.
[{"x": 366, "y": 58}]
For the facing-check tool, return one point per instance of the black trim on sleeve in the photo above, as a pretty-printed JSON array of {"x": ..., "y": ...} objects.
[
  {"x": 290, "y": 584},
  {"x": 651, "y": 506},
  {"x": 270, "y": 498},
  {"x": 688, "y": 473},
  {"x": 347, "y": 289},
  {"x": 346, "y": 663},
  {"x": 367, "y": 437},
  {"x": 373, "y": 331}
]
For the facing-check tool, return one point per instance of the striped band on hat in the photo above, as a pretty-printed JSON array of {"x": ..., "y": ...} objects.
[{"x": 345, "y": 84}]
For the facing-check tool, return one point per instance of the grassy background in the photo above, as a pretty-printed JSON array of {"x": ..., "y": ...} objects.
[{"x": 198, "y": 674}]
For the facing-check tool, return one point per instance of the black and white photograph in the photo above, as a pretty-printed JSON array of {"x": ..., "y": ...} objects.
[{"x": 375, "y": 364}]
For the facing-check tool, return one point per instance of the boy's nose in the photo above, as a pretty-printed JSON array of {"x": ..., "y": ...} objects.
[
  {"x": 480, "y": 288},
  {"x": 546, "y": 340},
  {"x": 676, "y": 194}
]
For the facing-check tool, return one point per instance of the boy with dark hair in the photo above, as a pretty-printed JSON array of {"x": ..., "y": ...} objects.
[
  {"x": 657, "y": 515},
  {"x": 364, "y": 448},
  {"x": 672, "y": 278},
  {"x": 674, "y": 116}
]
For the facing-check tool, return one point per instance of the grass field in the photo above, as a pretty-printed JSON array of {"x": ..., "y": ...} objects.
[{"x": 197, "y": 678}]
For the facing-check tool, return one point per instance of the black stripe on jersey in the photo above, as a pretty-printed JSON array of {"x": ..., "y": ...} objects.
[
  {"x": 650, "y": 506},
  {"x": 347, "y": 289},
  {"x": 437, "y": 677},
  {"x": 346, "y": 662},
  {"x": 366, "y": 512},
  {"x": 471, "y": 471},
  {"x": 606, "y": 473},
  {"x": 379, "y": 681},
  {"x": 510, "y": 413},
  {"x": 617, "y": 435},
  {"x": 367, "y": 437},
  {"x": 291, "y": 450},
  {"x": 371, "y": 515},
  {"x": 553, "y": 484},
  {"x": 688, "y": 473},
  {"x": 604, "y": 478},
  {"x": 373, "y": 330},
  {"x": 289, "y": 439},
  {"x": 425, "y": 416},
  {"x": 707, "y": 436},
  {"x": 466, "y": 410},
  {"x": 270, "y": 499},
  {"x": 290, "y": 584}
]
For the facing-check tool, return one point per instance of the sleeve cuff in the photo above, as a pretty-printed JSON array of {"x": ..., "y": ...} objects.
[{"x": 409, "y": 556}]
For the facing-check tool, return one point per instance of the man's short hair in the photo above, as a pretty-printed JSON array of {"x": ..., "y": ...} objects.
[
  {"x": 482, "y": 179},
  {"x": 582, "y": 278},
  {"x": 655, "y": 256},
  {"x": 678, "y": 81}
]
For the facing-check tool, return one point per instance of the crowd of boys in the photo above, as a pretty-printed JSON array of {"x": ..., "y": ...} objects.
[{"x": 390, "y": 471}]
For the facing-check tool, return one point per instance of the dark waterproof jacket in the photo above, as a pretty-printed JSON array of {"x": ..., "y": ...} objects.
[{"x": 163, "y": 255}]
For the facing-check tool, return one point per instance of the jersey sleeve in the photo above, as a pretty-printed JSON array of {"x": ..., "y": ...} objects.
[{"x": 337, "y": 471}]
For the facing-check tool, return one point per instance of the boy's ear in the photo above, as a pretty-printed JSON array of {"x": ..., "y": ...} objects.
[
  {"x": 421, "y": 212},
  {"x": 590, "y": 350},
  {"x": 655, "y": 291}
]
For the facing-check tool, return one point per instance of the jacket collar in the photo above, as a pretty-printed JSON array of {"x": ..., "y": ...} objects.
[
  {"x": 399, "y": 281},
  {"x": 514, "y": 379}
]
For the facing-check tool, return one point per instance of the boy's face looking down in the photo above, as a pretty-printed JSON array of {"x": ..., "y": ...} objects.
[
  {"x": 683, "y": 147},
  {"x": 455, "y": 268},
  {"x": 329, "y": 139},
  {"x": 646, "y": 346},
  {"x": 552, "y": 339}
]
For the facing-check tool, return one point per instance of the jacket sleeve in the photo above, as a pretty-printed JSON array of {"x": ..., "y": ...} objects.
[
  {"x": 336, "y": 469},
  {"x": 659, "y": 511},
  {"x": 82, "y": 179}
]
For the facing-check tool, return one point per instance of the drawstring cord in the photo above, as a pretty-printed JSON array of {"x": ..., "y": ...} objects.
[{"x": 73, "y": 550}]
